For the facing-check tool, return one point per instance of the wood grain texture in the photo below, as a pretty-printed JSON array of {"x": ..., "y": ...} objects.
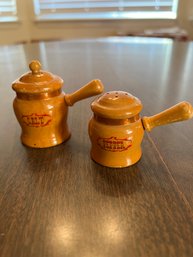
[{"x": 58, "y": 202}]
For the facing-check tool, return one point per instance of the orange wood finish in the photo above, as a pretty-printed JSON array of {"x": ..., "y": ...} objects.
[
  {"x": 41, "y": 107},
  {"x": 179, "y": 112},
  {"x": 116, "y": 137}
]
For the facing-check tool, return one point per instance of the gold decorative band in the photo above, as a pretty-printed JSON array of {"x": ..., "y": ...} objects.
[
  {"x": 38, "y": 96},
  {"x": 108, "y": 121}
]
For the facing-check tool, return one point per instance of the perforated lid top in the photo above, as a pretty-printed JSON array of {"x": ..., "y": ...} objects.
[
  {"x": 117, "y": 105},
  {"x": 37, "y": 81}
]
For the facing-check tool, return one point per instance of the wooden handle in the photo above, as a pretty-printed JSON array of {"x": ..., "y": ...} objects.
[
  {"x": 94, "y": 87},
  {"x": 178, "y": 112}
]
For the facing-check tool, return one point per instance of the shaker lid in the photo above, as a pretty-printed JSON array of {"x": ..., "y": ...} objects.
[
  {"x": 37, "y": 81},
  {"x": 117, "y": 105}
]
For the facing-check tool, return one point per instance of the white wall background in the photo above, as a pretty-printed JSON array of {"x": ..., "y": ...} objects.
[{"x": 27, "y": 29}]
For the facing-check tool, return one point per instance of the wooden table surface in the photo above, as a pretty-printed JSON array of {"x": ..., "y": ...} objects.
[{"x": 57, "y": 202}]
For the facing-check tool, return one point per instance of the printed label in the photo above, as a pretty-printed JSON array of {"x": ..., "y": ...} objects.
[
  {"x": 114, "y": 144},
  {"x": 36, "y": 120}
]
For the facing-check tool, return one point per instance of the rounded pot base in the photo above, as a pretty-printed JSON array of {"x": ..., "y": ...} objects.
[
  {"x": 112, "y": 161},
  {"x": 46, "y": 144}
]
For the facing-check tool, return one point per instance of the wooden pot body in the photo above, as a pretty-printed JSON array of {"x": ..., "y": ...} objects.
[
  {"x": 115, "y": 145},
  {"x": 43, "y": 121}
]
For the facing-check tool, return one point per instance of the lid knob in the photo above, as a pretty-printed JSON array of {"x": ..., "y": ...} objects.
[{"x": 35, "y": 67}]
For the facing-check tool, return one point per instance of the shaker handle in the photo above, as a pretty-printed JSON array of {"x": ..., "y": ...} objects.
[
  {"x": 179, "y": 112},
  {"x": 94, "y": 87}
]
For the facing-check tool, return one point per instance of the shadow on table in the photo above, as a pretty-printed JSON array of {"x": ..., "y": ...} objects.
[
  {"x": 50, "y": 159},
  {"x": 117, "y": 182}
]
